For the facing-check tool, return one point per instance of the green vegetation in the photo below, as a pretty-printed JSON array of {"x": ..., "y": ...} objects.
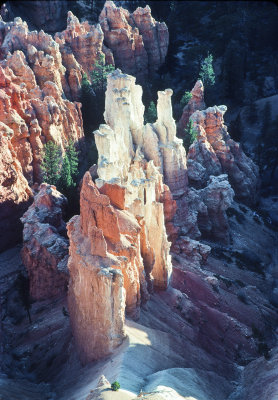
[
  {"x": 58, "y": 170},
  {"x": 185, "y": 98},
  {"x": 190, "y": 135},
  {"x": 51, "y": 163},
  {"x": 207, "y": 74},
  {"x": 115, "y": 386},
  {"x": 151, "y": 114},
  {"x": 99, "y": 74}
]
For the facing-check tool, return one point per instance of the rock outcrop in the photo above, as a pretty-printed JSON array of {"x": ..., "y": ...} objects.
[
  {"x": 195, "y": 103},
  {"x": 15, "y": 194},
  {"x": 121, "y": 228},
  {"x": 32, "y": 98},
  {"x": 215, "y": 152},
  {"x": 138, "y": 42},
  {"x": 45, "y": 247}
]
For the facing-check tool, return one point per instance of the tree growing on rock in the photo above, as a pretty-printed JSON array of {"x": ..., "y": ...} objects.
[
  {"x": 207, "y": 74},
  {"x": 51, "y": 163},
  {"x": 185, "y": 98},
  {"x": 99, "y": 75},
  {"x": 190, "y": 135}
]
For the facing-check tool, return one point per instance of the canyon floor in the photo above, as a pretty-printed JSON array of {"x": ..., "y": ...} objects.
[{"x": 160, "y": 355}]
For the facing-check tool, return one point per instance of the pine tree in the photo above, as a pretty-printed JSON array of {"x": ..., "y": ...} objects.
[
  {"x": 99, "y": 74},
  {"x": 151, "y": 114},
  {"x": 51, "y": 163},
  {"x": 185, "y": 98},
  {"x": 72, "y": 156},
  {"x": 65, "y": 182},
  {"x": 207, "y": 74},
  {"x": 190, "y": 135}
]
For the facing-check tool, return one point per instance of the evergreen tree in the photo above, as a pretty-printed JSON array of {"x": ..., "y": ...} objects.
[
  {"x": 65, "y": 182},
  {"x": 51, "y": 163},
  {"x": 151, "y": 114},
  {"x": 190, "y": 135},
  {"x": 99, "y": 74},
  {"x": 185, "y": 98},
  {"x": 72, "y": 156},
  {"x": 207, "y": 74}
]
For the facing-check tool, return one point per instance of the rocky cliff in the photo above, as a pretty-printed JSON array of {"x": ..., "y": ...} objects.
[
  {"x": 45, "y": 246},
  {"x": 39, "y": 76},
  {"x": 138, "y": 42}
]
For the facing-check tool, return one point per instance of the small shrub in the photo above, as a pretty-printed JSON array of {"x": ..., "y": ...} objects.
[
  {"x": 115, "y": 386},
  {"x": 185, "y": 98},
  {"x": 151, "y": 114}
]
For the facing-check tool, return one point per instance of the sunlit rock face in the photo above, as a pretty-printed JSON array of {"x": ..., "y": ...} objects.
[
  {"x": 215, "y": 152},
  {"x": 15, "y": 194},
  {"x": 33, "y": 109},
  {"x": 119, "y": 242},
  {"x": 33, "y": 104},
  {"x": 98, "y": 255},
  {"x": 138, "y": 42},
  {"x": 195, "y": 103},
  {"x": 45, "y": 247},
  {"x": 81, "y": 46}
]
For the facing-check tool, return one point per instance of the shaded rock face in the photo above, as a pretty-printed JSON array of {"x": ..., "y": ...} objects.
[
  {"x": 215, "y": 152},
  {"x": 138, "y": 42},
  {"x": 195, "y": 103},
  {"x": 46, "y": 15},
  {"x": 15, "y": 194},
  {"x": 45, "y": 247}
]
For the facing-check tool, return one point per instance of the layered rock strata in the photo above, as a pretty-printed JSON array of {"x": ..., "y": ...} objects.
[
  {"x": 215, "y": 152},
  {"x": 45, "y": 247},
  {"x": 138, "y": 42},
  {"x": 121, "y": 227},
  {"x": 15, "y": 194}
]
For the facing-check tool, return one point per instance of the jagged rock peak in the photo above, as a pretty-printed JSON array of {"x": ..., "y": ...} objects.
[
  {"x": 45, "y": 247},
  {"x": 218, "y": 153},
  {"x": 195, "y": 103},
  {"x": 138, "y": 42}
]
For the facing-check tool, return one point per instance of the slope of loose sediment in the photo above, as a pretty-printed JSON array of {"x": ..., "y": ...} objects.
[{"x": 147, "y": 356}]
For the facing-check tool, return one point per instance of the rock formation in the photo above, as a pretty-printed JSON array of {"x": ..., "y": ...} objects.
[
  {"x": 215, "y": 152},
  {"x": 45, "y": 247},
  {"x": 138, "y": 42},
  {"x": 121, "y": 227},
  {"x": 195, "y": 103},
  {"x": 15, "y": 194}
]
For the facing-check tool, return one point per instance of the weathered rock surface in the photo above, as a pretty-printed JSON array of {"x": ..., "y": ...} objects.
[
  {"x": 195, "y": 103},
  {"x": 15, "y": 194},
  {"x": 45, "y": 250},
  {"x": 217, "y": 153},
  {"x": 138, "y": 42},
  {"x": 32, "y": 99}
]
